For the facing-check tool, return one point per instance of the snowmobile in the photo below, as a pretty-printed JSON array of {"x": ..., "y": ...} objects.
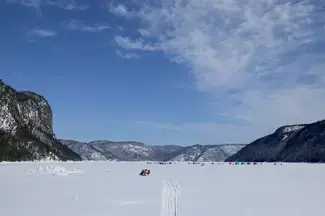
[{"x": 145, "y": 172}]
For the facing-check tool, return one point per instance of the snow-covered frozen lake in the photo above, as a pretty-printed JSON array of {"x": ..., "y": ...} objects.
[{"x": 116, "y": 189}]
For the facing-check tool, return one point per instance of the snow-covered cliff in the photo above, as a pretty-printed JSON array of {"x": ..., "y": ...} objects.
[{"x": 26, "y": 128}]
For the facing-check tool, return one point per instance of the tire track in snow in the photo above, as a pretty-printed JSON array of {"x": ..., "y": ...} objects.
[{"x": 170, "y": 198}]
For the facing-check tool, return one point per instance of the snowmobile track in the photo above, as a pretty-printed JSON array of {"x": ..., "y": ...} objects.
[{"x": 170, "y": 198}]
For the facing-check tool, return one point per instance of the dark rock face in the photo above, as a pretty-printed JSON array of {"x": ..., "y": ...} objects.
[
  {"x": 26, "y": 128},
  {"x": 292, "y": 143}
]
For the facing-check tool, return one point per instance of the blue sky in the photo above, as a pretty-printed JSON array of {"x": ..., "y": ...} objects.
[{"x": 171, "y": 72}]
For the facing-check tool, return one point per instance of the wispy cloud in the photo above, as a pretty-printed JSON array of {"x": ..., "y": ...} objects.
[
  {"x": 42, "y": 33},
  {"x": 121, "y": 10},
  {"x": 144, "y": 32},
  {"x": 127, "y": 55},
  {"x": 80, "y": 26},
  {"x": 258, "y": 50},
  {"x": 138, "y": 44},
  {"x": 63, "y": 4},
  {"x": 67, "y": 5},
  {"x": 26, "y": 3}
]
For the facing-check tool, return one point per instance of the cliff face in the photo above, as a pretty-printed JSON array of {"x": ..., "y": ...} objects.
[
  {"x": 292, "y": 143},
  {"x": 26, "y": 128}
]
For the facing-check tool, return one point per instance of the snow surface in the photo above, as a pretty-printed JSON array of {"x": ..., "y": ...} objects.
[
  {"x": 231, "y": 149},
  {"x": 292, "y": 128},
  {"x": 116, "y": 189},
  {"x": 6, "y": 120}
]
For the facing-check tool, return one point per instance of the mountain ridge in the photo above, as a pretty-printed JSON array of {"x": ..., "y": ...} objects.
[
  {"x": 138, "y": 151},
  {"x": 26, "y": 133},
  {"x": 289, "y": 143}
]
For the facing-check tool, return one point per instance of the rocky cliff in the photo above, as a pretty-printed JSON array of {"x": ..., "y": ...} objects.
[
  {"x": 26, "y": 128},
  {"x": 291, "y": 143}
]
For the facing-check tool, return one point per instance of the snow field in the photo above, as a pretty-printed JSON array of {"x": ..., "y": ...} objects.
[
  {"x": 116, "y": 189},
  {"x": 54, "y": 170},
  {"x": 170, "y": 196}
]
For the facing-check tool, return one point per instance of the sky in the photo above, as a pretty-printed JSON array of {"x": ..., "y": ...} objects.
[{"x": 168, "y": 72}]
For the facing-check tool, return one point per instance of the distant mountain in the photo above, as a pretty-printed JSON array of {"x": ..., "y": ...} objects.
[
  {"x": 26, "y": 128},
  {"x": 200, "y": 153},
  {"x": 125, "y": 151},
  {"x": 167, "y": 148},
  {"x": 86, "y": 151},
  {"x": 137, "y": 151},
  {"x": 291, "y": 143},
  {"x": 122, "y": 150}
]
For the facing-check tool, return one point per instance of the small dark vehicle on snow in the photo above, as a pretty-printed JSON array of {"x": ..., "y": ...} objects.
[{"x": 145, "y": 172}]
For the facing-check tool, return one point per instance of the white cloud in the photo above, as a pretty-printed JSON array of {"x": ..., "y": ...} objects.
[
  {"x": 138, "y": 44},
  {"x": 63, "y": 4},
  {"x": 120, "y": 28},
  {"x": 77, "y": 25},
  {"x": 121, "y": 10},
  {"x": 260, "y": 49},
  {"x": 127, "y": 55},
  {"x": 67, "y": 5},
  {"x": 27, "y": 3},
  {"x": 144, "y": 32},
  {"x": 42, "y": 33}
]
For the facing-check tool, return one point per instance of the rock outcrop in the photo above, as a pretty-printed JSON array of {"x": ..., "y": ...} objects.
[{"x": 26, "y": 128}]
